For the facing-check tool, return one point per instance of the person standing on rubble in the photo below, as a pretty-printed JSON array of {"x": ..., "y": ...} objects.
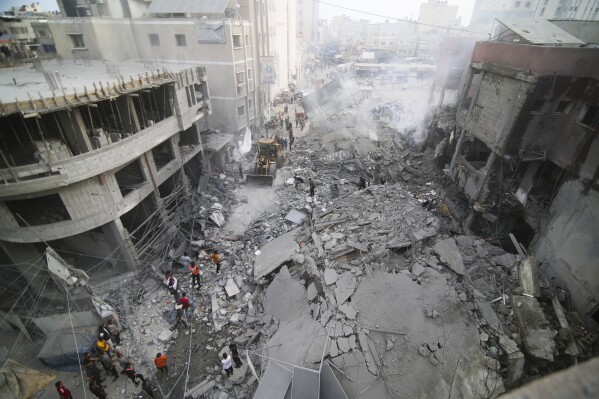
[
  {"x": 171, "y": 283},
  {"x": 312, "y": 188},
  {"x": 227, "y": 364},
  {"x": 97, "y": 389},
  {"x": 63, "y": 391},
  {"x": 195, "y": 275},
  {"x": 102, "y": 345},
  {"x": 130, "y": 372},
  {"x": 362, "y": 183},
  {"x": 185, "y": 260},
  {"x": 286, "y": 109},
  {"x": 216, "y": 259},
  {"x": 235, "y": 355},
  {"x": 179, "y": 317},
  {"x": 187, "y": 306},
  {"x": 160, "y": 362},
  {"x": 115, "y": 333}
]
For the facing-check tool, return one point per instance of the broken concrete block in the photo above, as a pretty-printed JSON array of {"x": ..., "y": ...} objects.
[
  {"x": 231, "y": 288},
  {"x": 330, "y": 276},
  {"x": 450, "y": 255},
  {"x": 506, "y": 260},
  {"x": 312, "y": 292},
  {"x": 275, "y": 253},
  {"x": 347, "y": 330},
  {"x": 488, "y": 314},
  {"x": 349, "y": 311},
  {"x": 325, "y": 317},
  {"x": 476, "y": 376},
  {"x": 352, "y": 342},
  {"x": 534, "y": 327},
  {"x": 318, "y": 244},
  {"x": 346, "y": 285},
  {"x": 515, "y": 359},
  {"x": 528, "y": 276},
  {"x": 334, "y": 350},
  {"x": 343, "y": 345},
  {"x": 565, "y": 332},
  {"x": 201, "y": 389},
  {"x": 165, "y": 335},
  {"x": 417, "y": 269},
  {"x": 370, "y": 363}
]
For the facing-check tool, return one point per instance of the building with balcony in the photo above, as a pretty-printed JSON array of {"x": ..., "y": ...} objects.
[
  {"x": 527, "y": 152},
  {"x": 93, "y": 158}
]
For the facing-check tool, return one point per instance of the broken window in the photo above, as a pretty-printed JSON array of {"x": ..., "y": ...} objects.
[
  {"x": 38, "y": 211},
  {"x": 129, "y": 177},
  {"x": 240, "y": 111},
  {"x": 163, "y": 154},
  {"x": 77, "y": 40},
  {"x": 563, "y": 107},
  {"x": 476, "y": 152},
  {"x": 590, "y": 116}
]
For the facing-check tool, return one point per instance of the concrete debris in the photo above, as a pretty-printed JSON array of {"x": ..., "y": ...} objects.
[
  {"x": 565, "y": 332},
  {"x": 165, "y": 336},
  {"x": 330, "y": 276},
  {"x": 476, "y": 376},
  {"x": 296, "y": 216},
  {"x": 534, "y": 327},
  {"x": 343, "y": 345},
  {"x": 450, "y": 255},
  {"x": 346, "y": 285},
  {"x": 312, "y": 292},
  {"x": 201, "y": 389},
  {"x": 275, "y": 253},
  {"x": 231, "y": 288},
  {"x": 528, "y": 276},
  {"x": 515, "y": 366},
  {"x": 348, "y": 311}
]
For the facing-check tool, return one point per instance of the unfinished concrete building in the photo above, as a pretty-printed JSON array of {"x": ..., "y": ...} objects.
[
  {"x": 527, "y": 153},
  {"x": 91, "y": 162}
]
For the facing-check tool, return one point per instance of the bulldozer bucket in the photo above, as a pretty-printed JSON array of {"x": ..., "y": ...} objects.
[{"x": 260, "y": 180}]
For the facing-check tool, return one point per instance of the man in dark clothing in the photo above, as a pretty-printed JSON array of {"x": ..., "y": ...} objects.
[
  {"x": 286, "y": 109},
  {"x": 92, "y": 372},
  {"x": 147, "y": 388},
  {"x": 130, "y": 372},
  {"x": 179, "y": 318},
  {"x": 312, "y": 188},
  {"x": 362, "y": 184},
  {"x": 235, "y": 355},
  {"x": 97, "y": 390}
]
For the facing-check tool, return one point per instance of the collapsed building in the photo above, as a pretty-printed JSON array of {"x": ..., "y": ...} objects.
[{"x": 525, "y": 150}]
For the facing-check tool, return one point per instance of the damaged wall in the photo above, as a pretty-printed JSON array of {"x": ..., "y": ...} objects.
[{"x": 567, "y": 243}]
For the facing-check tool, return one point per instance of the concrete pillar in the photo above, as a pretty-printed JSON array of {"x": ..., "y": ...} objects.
[
  {"x": 75, "y": 130},
  {"x": 29, "y": 261},
  {"x": 117, "y": 237},
  {"x": 128, "y": 114}
]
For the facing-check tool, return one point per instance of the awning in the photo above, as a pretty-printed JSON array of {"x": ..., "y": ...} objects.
[
  {"x": 188, "y": 6},
  {"x": 216, "y": 141}
]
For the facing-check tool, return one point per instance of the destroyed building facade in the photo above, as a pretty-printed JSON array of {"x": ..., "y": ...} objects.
[
  {"x": 84, "y": 170},
  {"x": 526, "y": 149}
]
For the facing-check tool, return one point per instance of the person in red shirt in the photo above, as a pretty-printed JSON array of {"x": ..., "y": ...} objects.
[
  {"x": 187, "y": 305},
  {"x": 63, "y": 391}
]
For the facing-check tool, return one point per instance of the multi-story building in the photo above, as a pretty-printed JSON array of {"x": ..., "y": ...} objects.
[
  {"x": 437, "y": 13},
  {"x": 486, "y": 11},
  {"x": 526, "y": 154},
  {"x": 94, "y": 159},
  {"x": 19, "y": 25},
  {"x": 307, "y": 23},
  {"x": 219, "y": 35},
  {"x": 287, "y": 51}
]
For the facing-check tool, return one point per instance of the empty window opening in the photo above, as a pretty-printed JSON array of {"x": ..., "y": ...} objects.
[
  {"x": 590, "y": 116},
  {"x": 240, "y": 110},
  {"x": 130, "y": 177},
  {"x": 237, "y": 41},
  {"x": 163, "y": 154},
  {"x": 39, "y": 211},
  {"x": 181, "y": 41},
  {"x": 594, "y": 314},
  {"x": 140, "y": 220},
  {"x": 476, "y": 152},
  {"x": 188, "y": 137},
  {"x": 77, "y": 40},
  {"x": 563, "y": 107},
  {"x": 154, "y": 39},
  {"x": 523, "y": 232}
]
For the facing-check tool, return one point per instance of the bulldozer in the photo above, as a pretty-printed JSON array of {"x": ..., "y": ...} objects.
[{"x": 269, "y": 157}]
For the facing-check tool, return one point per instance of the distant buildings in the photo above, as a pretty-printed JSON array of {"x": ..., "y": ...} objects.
[{"x": 19, "y": 31}]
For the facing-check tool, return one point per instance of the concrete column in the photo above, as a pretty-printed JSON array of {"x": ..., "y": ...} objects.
[
  {"x": 75, "y": 130},
  {"x": 31, "y": 264},
  {"x": 117, "y": 237},
  {"x": 128, "y": 114}
]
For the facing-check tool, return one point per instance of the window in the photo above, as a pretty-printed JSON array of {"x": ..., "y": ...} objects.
[
  {"x": 527, "y": 4},
  {"x": 239, "y": 78},
  {"x": 247, "y": 40},
  {"x": 517, "y": 4},
  {"x": 250, "y": 76},
  {"x": 250, "y": 104},
  {"x": 590, "y": 116},
  {"x": 41, "y": 33},
  {"x": 563, "y": 107},
  {"x": 38, "y": 211},
  {"x": 154, "y": 39},
  {"x": 537, "y": 106},
  {"x": 180, "y": 39},
  {"x": 77, "y": 40},
  {"x": 542, "y": 12},
  {"x": 236, "y": 41},
  {"x": 240, "y": 110}
]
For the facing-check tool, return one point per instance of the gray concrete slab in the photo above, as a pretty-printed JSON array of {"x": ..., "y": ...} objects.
[{"x": 275, "y": 253}]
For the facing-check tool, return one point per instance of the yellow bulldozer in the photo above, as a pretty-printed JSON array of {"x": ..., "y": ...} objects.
[{"x": 269, "y": 157}]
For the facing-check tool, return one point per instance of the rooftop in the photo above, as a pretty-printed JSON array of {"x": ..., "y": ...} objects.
[{"x": 538, "y": 31}]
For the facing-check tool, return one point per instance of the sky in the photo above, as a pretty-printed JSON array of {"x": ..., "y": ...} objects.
[{"x": 399, "y": 9}]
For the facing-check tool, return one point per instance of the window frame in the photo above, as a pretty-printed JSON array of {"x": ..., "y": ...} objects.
[
  {"x": 178, "y": 37},
  {"x": 242, "y": 113},
  {"x": 154, "y": 43},
  {"x": 72, "y": 37},
  {"x": 240, "y": 40}
]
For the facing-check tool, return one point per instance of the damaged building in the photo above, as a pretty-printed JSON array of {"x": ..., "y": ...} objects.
[
  {"x": 526, "y": 152},
  {"x": 92, "y": 170}
]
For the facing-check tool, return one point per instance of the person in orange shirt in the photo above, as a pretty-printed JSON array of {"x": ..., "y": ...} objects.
[
  {"x": 160, "y": 362},
  {"x": 216, "y": 258},
  {"x": 195, "y": 274}
]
